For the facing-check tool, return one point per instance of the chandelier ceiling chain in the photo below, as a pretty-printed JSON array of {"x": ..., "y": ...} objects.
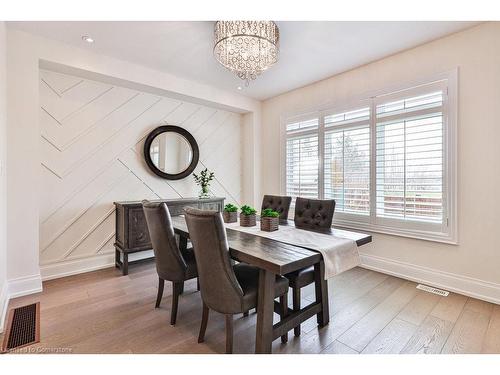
[{"x": 247, "y": 48}]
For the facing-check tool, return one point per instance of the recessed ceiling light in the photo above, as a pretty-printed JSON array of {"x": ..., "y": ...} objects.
[
  {"x": 88, "y": 39},
  {"x": 240, "y": 88}
]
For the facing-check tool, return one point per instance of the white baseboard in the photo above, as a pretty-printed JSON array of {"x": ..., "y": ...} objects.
[
  {"x": 73, "y": 267},
  {"x": 4, "y": 302},
  {"x": 14, "y": 288},
  {"x": 76, "y": 266},
  {"x": 25, "y": 285},
  {"x": 468, "y": 286}
]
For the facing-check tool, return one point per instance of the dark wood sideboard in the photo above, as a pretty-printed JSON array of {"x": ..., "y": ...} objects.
[{"x": 132, "y": 233}]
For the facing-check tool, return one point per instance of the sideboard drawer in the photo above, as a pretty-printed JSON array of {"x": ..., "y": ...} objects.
[
  {"x": 210, "y": 206},
  {"x": 177, "y": 209}
]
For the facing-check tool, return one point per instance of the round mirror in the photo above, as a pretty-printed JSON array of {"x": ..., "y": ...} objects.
[{"x": 171, "y": 152}]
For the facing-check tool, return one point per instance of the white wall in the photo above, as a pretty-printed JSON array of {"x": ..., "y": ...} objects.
[
  {"x": 92, "y": 138},
  {"x": 26, "y": 53},
  {"x": 3, "y": 187},
  {"x": 23, "y": 272},
  {"x": 472, "y": 267},
  {"x": 250, "y": 144}
]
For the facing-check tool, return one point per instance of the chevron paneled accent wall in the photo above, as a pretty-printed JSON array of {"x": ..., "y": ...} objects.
[{"x": 92, "y": 135}]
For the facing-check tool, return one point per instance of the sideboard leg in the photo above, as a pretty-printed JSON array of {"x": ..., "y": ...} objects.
[
  {"x": 117, "y": 258},
  {"x": 125, "y": 264}
]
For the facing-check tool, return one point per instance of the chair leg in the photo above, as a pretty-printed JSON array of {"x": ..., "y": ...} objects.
[
  {"x": 198, "y": 284},
  {"x": 176, "y": 291},
  {"x": 284, "y": 314},
  {"x": 204, "y": 321},
  {"x": 229, "y": 333},
  {"x": 161, "y": 284},
  {"x": 181, "y": 287},
  {"x": 296, "y": 307}
]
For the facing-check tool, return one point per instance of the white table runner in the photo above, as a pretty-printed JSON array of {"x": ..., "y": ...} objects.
[{"x": 339, "y": 254}]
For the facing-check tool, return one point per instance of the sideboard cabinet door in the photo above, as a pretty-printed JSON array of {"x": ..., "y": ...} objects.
[{"x": 138, "y": 229}]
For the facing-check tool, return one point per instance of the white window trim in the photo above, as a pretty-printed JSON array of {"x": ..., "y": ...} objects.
[{"x": 369, "y": 223}]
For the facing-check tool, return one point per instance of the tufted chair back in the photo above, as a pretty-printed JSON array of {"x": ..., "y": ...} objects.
[
  {"x": 314, "y": 213},
  {"x": 278, "y": 204},
  {"x": 170, "y": 264},
  {"x": 220, "y": 290}
]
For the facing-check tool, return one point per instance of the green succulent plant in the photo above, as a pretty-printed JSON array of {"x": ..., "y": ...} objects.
[
  {"x": 230, "y": 208},
  {"x": 269, "y": 212},
  {"x": 247, "y": 210}
]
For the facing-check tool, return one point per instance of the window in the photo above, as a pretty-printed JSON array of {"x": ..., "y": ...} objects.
[
  {"x": 409, "y": 172},
  {"x": 347, "y": 161},
  {"x": 387, "y": 160},
  {"x": 302, "y": 152}
]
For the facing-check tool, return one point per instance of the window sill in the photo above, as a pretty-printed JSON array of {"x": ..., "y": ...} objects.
[{"x": 400, "y": 232}]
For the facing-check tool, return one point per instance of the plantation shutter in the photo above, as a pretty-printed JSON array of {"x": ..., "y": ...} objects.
[
  {"x": 302, "y": 159},
  {"x": 347, "y": 161},
  {"x": 410, "y": 157}
]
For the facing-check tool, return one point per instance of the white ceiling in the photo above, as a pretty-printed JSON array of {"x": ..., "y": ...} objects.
[{"x": 310, "y": 51}]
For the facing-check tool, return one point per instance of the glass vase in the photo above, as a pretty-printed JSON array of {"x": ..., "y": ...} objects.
[{"x": 204, "y": 192}]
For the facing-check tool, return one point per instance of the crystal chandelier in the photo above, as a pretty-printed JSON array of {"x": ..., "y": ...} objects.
[{"x": 247, "y": 48}]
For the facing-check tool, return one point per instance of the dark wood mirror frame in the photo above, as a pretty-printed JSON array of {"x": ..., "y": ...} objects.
[{"x": 192, "y": 142}]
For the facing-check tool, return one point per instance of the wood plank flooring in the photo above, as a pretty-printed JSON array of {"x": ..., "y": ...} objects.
[{"x": 104, "y": 312}]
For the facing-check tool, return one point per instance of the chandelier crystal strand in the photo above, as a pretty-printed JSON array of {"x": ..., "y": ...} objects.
[{"x": 247, "y": 48}]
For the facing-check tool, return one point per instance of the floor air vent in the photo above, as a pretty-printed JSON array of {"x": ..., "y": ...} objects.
[
  {"x": 23, "y": 327},
  {"x": 430, "y": 289}
]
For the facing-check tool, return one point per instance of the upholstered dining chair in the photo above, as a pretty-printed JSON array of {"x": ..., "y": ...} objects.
[
  {"x": 225, "y": 288},
  {"x": 314, "y": 215},
  {"x": 280, "y": 204},
  {"x": 172, "y": 264}
]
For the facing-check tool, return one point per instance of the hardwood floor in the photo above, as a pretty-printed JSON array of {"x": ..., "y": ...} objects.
[{"x": 104, "y": 312}]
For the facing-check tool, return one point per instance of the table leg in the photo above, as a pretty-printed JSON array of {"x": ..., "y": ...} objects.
[
  {"x": 265, "y": 310},
  {"x": 321, "y": 293}
]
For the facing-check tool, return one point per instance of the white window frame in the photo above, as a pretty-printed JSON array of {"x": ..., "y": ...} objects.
[{"x": 447, "y": 232}]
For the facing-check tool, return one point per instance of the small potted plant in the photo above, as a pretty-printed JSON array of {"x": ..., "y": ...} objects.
[
  {"x": 247, "y": 216},
  {"x": 230, "y": 213},
  {"x": 203, "y": 180},
  {"x": 269, "y": 220}
]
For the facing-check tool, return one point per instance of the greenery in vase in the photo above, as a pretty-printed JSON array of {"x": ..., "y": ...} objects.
[
  {"x": 247, "y": 210},
  {"x": 203, "y": 180},
  {"x": 269, "y": 212},
  {"x": 230, "y": 208}
]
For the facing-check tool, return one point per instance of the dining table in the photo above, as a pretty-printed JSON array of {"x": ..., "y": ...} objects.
[{"x": 273, "y": 258}]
